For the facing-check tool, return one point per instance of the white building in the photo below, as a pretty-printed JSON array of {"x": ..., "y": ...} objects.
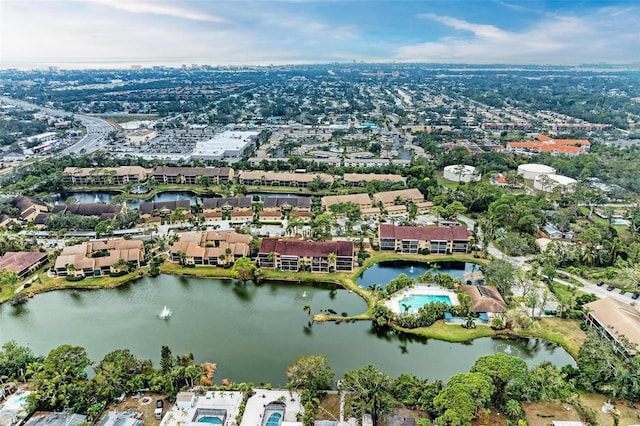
[
  {"x": 461, "y": 173},
  {"x": 229, "y": 146},
  {"x": 547, "y": 183},
  {"x": 530, "y": 171},
  {"x": 141, "y": 136}
]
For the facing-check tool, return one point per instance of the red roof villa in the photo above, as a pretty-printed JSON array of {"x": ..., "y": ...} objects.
[
  {"x": 434, "y": 239},
  {"x": 295, "y": 255}
]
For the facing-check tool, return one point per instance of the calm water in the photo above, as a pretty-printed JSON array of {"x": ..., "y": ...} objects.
[
  {"x": 107, "y": 197},
  {"x": 383, "y": 272},
  {"x": 252, "y": 332}
]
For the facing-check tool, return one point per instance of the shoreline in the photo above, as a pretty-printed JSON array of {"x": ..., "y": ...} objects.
[{"x": 552, "y": 332}]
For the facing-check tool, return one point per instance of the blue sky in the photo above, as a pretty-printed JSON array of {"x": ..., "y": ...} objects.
[{"x": 106, "y": 33}]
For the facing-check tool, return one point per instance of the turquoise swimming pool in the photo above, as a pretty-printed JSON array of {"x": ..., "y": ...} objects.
[
  {"x": 412, "y": 303},
  {"x": 210, "y": 419},
  {"x": 274, "y": 419}
]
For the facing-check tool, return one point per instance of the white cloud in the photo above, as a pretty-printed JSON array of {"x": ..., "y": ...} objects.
[
  {"x": 608, "y": 35},
  {"x": 158, "y": 8}
]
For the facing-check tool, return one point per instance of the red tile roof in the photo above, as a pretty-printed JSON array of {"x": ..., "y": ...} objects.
[
  {"x": 306, "y": 248},
  {"x": 427, "y": 233}
]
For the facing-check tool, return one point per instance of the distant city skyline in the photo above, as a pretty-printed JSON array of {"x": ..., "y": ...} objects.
[{"x": 120, "y": 33}]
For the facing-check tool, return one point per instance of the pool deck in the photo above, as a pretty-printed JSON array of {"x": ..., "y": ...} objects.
[
  {"x": 255, "y": 410},
  {"x": 222, "y": 400},
  {"x": 13, "y": 408},
  {"x": 421, "y": 289}
]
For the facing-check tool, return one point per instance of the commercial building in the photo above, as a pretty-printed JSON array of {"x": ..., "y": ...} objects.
[
  {"x": 461, "y": 173},
  {"x": 532, "y": 170},
  {"x": 228, "y": 146},
  {"x": 430, "y": 239},
  {"x": 547, "y": 183},
  {"x": 296, "y": 255}
]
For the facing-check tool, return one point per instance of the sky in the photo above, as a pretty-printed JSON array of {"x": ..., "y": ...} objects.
[{"x": 120, "y": 33}]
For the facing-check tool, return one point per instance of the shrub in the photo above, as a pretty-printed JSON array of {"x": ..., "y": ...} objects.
[{"x": 74, "y": 278}]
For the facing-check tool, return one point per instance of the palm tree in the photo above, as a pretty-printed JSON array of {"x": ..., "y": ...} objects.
[
  {"x": 182, "y": 256},
  {"x": 332, "y": 261}
]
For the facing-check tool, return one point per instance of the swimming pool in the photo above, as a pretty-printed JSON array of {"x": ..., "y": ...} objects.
[
  {"x": 412, "y": 303},
  {"x": 274, "y": 419},
  {"x": 210, "y": 419}
]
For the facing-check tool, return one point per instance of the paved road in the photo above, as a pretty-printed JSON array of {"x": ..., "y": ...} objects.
[{"x": 97, "y": 128}]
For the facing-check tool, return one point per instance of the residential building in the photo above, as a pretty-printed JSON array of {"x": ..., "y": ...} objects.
[
  {"x": 300, "y": 180},
  {"x": 233, "y": 204},
  {"x": 105, "y": 175},
  {"x": 431, "y": 239},
  {"x": 22, "y": 263},
  {"x": 190, "y": 175},
  {"x": 617, "y": 321},
  {"x": 162, "y": 208},
  {"x": 547, "y": 144},
  {"x": 485, "y": 299},
  {"x": 361, "y": 200},
  {"x": 287, "y": 204},
  {"x": 361, "y": 179},
  {"x": 210, "y": 248},
  {"x": 402, "y": 196},
  {"x": 28, "y": 207},
  {"x": 99, "y": 210},
  {"x": 296, "y": 255},
  {"x": 95, "y": 258}
]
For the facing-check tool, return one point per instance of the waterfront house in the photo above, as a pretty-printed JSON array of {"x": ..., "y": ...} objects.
[
  {"x": 485, "y": 299},
  {"x": 190, "y": 175},
  {"x": 416, "y": 239},
  {"x": 210, "y": 248},
  {"x": 299, "y": 180},
  {"x": 22, "y": 263},
  {"x": 296, "y": 255},
  {"x": 99, "y": 257},
  {"x": 105, "y": 175}
]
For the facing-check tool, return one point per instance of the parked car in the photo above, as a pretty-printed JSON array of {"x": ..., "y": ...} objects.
[
  {"x": 600, "y": 283},
  {"x": 158, "y": 411},
  {"x": 610, "y": 288},
  {"x": 635, "y": 296}
]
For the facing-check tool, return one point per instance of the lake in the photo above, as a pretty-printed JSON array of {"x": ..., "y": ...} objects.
[
  {"x": 383, "y": 272},
  {"x": 253, "y": 332}
]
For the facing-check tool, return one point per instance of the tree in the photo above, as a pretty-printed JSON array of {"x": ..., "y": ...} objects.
[
  {"x": 460, "y": 400},
  {"x": 244, "y": 269},
  {"x": 105, "y": 228},
  {"x": 367, "y": 391},
  {"x": 61, "y": 382},
  {"x": 501, "y": 368},
  {"x": 118, "y": 372},
  {"x": 500, "y": 273},
  {"x": 14, "y": 360},
  {"x": 331, "y": 258},
  {"x": 166, "y": 360},
  {"x": 311, "y": 372}
]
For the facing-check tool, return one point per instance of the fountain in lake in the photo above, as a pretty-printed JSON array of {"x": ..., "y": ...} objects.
[{"x": 166, "y": 313}]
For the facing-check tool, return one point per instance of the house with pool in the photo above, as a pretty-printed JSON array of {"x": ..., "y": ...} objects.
[
  {"x": 272, "y": 408},
  {"x": 216, "y": 408},
  {"x": 409, "y": 300},
  {"x": 416, "y": 239}
]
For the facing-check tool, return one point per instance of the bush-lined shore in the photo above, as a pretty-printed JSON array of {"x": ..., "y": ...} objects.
[{"x": 564, "y": 332}]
